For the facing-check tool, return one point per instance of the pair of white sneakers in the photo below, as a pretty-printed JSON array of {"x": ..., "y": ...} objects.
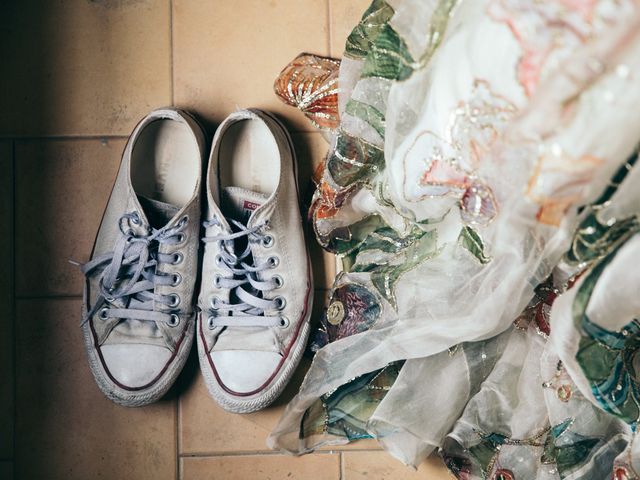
[{"x": 251, "y": 317}]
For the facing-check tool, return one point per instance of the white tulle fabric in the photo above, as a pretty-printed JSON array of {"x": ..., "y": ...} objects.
[{"x": 555, "y": 141}]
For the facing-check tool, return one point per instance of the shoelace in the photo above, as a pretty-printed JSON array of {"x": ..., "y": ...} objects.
[
  {"x": 128, "y": 275},
  {"x": 251, "y": 309}
]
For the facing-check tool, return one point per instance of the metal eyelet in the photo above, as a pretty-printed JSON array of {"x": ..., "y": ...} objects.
[
  {"x": 280, "y": 302},
  {"x": 174, "y": 300},
  {"x": 284, "y": 322},
  {"x": 210, "y": 321},
  {"x": 218, "y": 260},
  {"x": 174, "y": 320},
  {"x": 277, "y": 279},
  {"x": 181, "y": 237},
  {"x": 215, "y": 303},
  {"x": 267, "y": 241},
  {"x": 273, "y": 262},
  {"x": 104, "y": 314},
  {"x": 178, "y": 257},
  {"x": 216, "y": 281},
  {"x": 183, "y": 221},
  {"x": 135, "y": 218},
  {"x": 176, "y": 279}
]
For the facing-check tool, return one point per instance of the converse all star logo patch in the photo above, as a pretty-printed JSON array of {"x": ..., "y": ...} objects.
[{"x": 248, "y": 207}]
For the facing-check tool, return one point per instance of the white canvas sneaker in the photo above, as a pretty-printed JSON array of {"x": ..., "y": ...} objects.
[
  {"x": 138, "y": 316},
  {"x": 256, "y": 294}
]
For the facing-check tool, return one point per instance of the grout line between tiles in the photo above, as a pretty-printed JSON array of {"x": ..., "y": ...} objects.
[
  {"x": 249, "y": 453},
  {"x": 48, "y": 297},
  {"x": 178, "y": 426},
  {"x": 329, "y": 32},
  {"x": 341, "y": 464},
  {"x": 171, "y": 71},
  {"x": 66, "y": 137},
  {"x": 14, "y": 350}
]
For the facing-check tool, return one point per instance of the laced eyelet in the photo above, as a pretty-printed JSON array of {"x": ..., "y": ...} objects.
[
  {"x": 277, "y": 279},
  {"x": 176, "y": 279},
  {"x": 273, "y": 262},
  {"x": 174, "y": 320},
  {"x": 183, "y": 221},
  {"x": 215, "y": 303},
  {"x": 267, "y": 241},
  {"x": 216, "y": 281},
  {"x": 284, "y": 322},
  {"x": 218, "y": 260},
  {"x": 181, "y": 237},
  {"x": 280, "y": 302},
  {"x": 174, "y": 300},
  {"x": 104, "y": 313},
  {"x": 135, "y": 218},
  {"x": 178, "y": 257},
  {"x": 210, "y": 321}
]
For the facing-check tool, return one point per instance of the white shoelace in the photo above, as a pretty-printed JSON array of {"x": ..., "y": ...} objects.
[
  {"x": 251, "y": 308},
  {"x": 129, "y": 274}
]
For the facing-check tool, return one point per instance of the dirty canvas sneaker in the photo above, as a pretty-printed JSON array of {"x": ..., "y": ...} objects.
[
  {"x": 256, "y": 291},
  {"x": 138, "y": 313}
]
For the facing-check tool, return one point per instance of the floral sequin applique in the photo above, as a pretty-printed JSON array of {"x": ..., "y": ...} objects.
[
  {"x": 538, "y": 312},
  {"x": 352, "y": 309},
  {"x": 450, "y": 174},
  {"x": 310, "y": 83}
]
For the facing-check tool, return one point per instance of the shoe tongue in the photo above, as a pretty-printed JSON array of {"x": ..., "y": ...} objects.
[
  {"x": 158, "y": 213},
  {"x": 239, "y": 203}
]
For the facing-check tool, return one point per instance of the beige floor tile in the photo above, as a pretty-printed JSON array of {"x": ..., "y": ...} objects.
[
  {"x": 62, "y": 188},
  {"x": 6, "y": 470},
  {"x": 65, "y": 428},
  {"x": 228, "y": 54},
  {"x": 381, "y": 466},
  {"x": 263, "y": 467},
  {"x": 345, "y": 14},
  {"x": 6, "y": 300},
  {"x": 91, "y": 67}
]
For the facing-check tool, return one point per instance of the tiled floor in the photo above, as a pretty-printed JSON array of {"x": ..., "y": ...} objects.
[{"x": 76, "y": 77}]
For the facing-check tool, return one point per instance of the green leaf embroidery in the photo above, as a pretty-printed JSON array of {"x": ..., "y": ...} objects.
[
  {"x": 486, "y": 452},
  {"x": 568, "y": 457},
  {"x": 471, "y": 241},
  {"x": 367, "y": 113},
  {"x": 389, "y": 57},
  {"x": 593, "y": 239},
  {"x": 411, "y": 250},
  {"x": 606, "y": 357},
  {"x": 362, "y": 36},
  {"x": 354, "y": 160},
  {"x": 345, "y": 240},
  {"x": 345, "y": 411}
]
